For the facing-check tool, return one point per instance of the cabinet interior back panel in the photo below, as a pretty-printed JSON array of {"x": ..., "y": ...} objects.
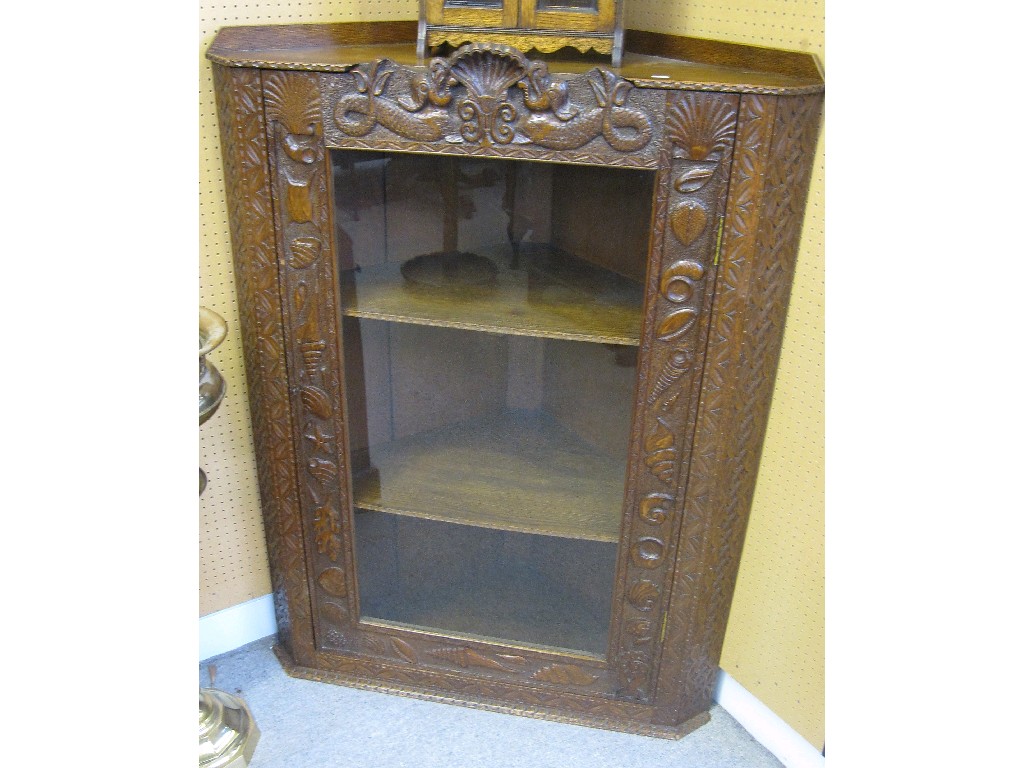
[{"x": 775, "y": 641}]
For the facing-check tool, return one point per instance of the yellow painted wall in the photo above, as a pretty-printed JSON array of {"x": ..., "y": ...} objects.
[{"x": 774, "y": 644}]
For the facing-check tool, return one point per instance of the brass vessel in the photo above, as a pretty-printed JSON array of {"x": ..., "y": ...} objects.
[{"x": 227, "y": 730}]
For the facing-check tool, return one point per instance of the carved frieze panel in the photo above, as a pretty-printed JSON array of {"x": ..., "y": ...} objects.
[
  {"x": 414, "y": 650},
  {"x": 308, "y": 278},
  {"x": 700, "y": 130},
  {"x": 491, "y": 99}
]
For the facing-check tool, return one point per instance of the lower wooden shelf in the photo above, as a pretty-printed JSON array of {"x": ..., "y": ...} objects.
[
  {"x": 521, "y": 471},
  {"x": 483, "y": 584}
]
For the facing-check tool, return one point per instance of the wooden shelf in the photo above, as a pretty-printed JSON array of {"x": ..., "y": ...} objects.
[
  {"x": 576, "y": 303},
  {"x": 518, "y": 472}
]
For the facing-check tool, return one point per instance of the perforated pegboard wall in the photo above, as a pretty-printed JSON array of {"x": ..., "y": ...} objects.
[{"x": 774, "y": 645}]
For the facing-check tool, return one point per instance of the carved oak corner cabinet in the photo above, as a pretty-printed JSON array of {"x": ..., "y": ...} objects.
[{"x": 511, "y": 329}]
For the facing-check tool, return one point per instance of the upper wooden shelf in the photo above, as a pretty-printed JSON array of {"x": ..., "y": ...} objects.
[
  {"x": 605, "y": 309},
  {"x": 651, "y": 59}
]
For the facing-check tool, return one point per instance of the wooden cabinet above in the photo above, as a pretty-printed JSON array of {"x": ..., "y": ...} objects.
[{"x": 544, "y": 25}]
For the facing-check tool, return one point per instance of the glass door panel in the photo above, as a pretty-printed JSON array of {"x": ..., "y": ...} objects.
[
  {"x": 579, "y": 15},
  {"x": 473, "y": 13},
  {"x": 491, "y": 317}
]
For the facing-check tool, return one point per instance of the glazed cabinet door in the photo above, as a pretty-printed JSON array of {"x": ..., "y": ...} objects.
[
  {"x": 472, "y": 13},
  {"x": 494, "y": 325},
  {"x": 578, "y": 15}
]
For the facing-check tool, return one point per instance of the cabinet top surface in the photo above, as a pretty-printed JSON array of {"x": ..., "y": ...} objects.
[{"x": 651, "y": 59}]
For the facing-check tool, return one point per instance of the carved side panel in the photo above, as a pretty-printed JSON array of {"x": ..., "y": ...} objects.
[
  {"x": 770, "y": 178},
  {"x": 490, "y": 99},
  {"x": 244, "y": 150},
  {"x": 700, "y": 128},
  {"x": 302, "y": 206}
]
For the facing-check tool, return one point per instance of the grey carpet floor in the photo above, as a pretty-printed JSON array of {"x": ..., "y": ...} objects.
[{"x": 305, "y": 724}]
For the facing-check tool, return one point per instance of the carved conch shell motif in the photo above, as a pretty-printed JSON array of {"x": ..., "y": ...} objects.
[{"x": 643, "y": 595}]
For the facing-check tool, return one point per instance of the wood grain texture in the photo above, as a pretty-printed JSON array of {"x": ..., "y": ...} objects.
[
  {"x": 771, "y": 174},
  {"x": 491, "y": 100},
  {"x": 244, "y": 149},
  {"x": 520, "y": 472},
  {"x": 493, "y": 697},
  {"x": 299, "y": 172},
  {"x": 668, "y": 380},
  {"x": 518, "y": 304},
  {"x": 708, "y": 347},
  {"x": 680, "y": 62}
]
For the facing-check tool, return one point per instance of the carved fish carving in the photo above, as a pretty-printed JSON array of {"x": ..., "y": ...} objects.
[
  {"x": 641, "y": 630},
  {"x": 624, "y": 128},
  {"x": 312, "y": 354},
  {"x": 356, "y": 114},
  {"x": 467, "y": 657},
  {"x": 404, "y": 651},
  {"x": 564, "y": 674}
]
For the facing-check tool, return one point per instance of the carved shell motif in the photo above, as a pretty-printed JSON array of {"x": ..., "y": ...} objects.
[
  {"x": 488, "y": 70},
  {"x": 700, "y": 128},
  {"x": 294, "y": 101}
]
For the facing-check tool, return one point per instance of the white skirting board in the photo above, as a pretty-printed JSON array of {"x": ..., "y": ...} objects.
[
  {"x": 247, "y": 622},
  {"x": 236, "y": 626},
  {"x": 770, "y": 730}
]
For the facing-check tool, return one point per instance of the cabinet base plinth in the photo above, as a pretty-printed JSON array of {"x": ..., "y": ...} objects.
[{"x": 638, "y": 727}]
